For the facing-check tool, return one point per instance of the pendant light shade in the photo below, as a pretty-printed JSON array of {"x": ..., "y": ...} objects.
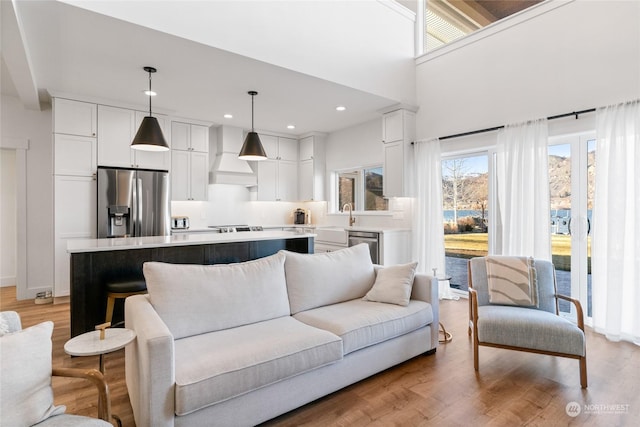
[
  {"x": 149, "y": 136},
  {"x": 252, "y": 148}
]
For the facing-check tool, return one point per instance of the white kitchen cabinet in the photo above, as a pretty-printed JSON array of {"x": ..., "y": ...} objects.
[
  {"x": 74, "y": 117},
  {"x": 189, "y": 175},
  {"x": 74, "y": 217},
  {"x": 393, "y": 126},
  {"x": 74, "y": 155},
  {"x": 189, "y": 161},
  {"x": 394, "y": 169},
  {"x": 398, "y": 133},
  {"x": 287, "y": 149},
  {"x": 116, "y": 129},
  {"x": 278, "y": 175},
  {"x": 311, "y": 168},
  {"x": 277, "y": 180},
  {"x": 189, "y": 137}
]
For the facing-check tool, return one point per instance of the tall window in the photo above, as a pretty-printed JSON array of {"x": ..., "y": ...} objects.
[
  {"x": 465, "y": 198},
  {"x": 362, "y": 188}
]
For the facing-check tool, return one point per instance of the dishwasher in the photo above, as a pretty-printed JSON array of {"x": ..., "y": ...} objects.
[{"x": 370, "y": 238}]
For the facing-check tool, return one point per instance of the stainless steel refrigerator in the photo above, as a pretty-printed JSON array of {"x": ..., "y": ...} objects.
[{"x": 133, "y": 202}]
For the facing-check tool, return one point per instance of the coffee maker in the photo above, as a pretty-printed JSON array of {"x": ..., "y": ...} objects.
[{"x": 299, "y": 216}]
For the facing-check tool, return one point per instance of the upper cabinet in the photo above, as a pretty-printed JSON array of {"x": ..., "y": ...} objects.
[
  {"x": 116, "y": 129},
  {"x": 278, "y": 175},
  {"x": 189, "y": 137},
  {"x": 393, "y": 126},
  {"x": 74, "y": 141},
  {"x": 311, "y": 168},
  {"x": 398, "y": 132},
  {"x": 190, "y": 161},
  {"x": 74, "y": 117}
]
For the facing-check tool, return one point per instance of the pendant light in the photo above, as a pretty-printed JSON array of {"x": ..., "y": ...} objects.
[
  {"x": 149, "y": 136},
  {"x": 252, "y": 148}
]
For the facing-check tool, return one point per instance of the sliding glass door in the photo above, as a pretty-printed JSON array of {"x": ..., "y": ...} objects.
[
  {"x": 465, "y": 197},
  {"x": 571, "y": 181}
]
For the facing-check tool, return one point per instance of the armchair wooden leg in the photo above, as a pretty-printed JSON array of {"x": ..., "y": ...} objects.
[{"x": 583, "y": 372}]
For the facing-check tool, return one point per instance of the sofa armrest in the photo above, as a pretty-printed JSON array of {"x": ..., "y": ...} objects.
[
  {"x": 149, "y": 365},
  {"x": 425, "y": 288}
]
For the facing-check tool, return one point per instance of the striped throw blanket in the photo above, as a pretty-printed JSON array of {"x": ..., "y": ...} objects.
[{"x": 512, "y": 281}]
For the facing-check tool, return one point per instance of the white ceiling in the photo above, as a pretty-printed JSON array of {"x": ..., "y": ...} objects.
[{"x": 78, "y": 52}]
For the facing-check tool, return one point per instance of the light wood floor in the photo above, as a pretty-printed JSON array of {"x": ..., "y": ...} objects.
[{"x": 512, "y": 388}]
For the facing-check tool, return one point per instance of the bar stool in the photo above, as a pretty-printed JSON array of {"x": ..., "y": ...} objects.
[{"x": 118, "y": 290}]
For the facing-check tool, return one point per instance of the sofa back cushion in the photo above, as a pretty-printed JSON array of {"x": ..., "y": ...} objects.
[
  {"x": 195, "y": 299},
  {"x": 315, "y": 280}
]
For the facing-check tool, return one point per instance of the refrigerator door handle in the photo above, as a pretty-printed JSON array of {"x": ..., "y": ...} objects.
[
  {"x": 139, "y": 207},
  {"x": 134, "y": 208}
]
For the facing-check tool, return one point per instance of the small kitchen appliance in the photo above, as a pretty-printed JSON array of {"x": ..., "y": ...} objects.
[
  {"x": 299, "y": 216},
  {"x": 179, "y": 222}
]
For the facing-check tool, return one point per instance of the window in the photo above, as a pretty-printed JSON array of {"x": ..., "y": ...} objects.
[
  {"x": 362, "y": 188},
  {"x": 446, "y": 21}
]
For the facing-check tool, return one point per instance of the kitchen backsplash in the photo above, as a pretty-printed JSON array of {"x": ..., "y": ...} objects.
[{"x": 232, "y": 204}]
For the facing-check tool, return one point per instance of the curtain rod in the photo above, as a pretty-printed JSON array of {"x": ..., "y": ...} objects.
[{"x": 474, "y": 132}]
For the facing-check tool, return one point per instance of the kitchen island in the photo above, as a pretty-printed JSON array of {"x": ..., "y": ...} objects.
[{"x": 95, "y": 262}]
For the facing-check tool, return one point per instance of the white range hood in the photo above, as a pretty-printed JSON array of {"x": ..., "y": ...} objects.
[{"x": 227, "y": 167}]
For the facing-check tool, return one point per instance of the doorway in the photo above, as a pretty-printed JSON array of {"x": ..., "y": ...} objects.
[{"x": 572, "y": 184}]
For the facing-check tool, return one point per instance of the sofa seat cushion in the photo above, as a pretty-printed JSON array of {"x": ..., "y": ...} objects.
[
  {"x": 529, "y": 328},
  {"x": 363, "y": 323},
  {"x": 218, "y": 366}
]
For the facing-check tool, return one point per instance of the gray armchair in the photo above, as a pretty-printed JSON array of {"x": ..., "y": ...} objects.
[
  {"x": 26, "y": 396},
  {"x": 531, "y": 329}
]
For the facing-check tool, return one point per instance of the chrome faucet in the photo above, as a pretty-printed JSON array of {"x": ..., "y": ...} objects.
[{"x": 352, "y": 220}]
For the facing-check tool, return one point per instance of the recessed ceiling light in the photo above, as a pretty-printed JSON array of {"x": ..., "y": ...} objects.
[
  {"x": 341, "y": 108},
  {"x": 149, "y": 93},
  {"x": 291, "y": 126},
  {"x": 228, "y": 116}
]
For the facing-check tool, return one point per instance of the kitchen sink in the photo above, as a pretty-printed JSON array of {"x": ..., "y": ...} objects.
[{"x": 336, "y": 235}]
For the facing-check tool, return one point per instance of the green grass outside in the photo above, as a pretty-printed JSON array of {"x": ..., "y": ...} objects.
[{"x": 468, "y": 245}]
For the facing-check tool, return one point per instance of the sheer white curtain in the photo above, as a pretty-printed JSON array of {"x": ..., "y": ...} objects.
[
  {"x": 428, "y": 242},
  {"x": 523, "y": 190},
  {"x": 615, "y": 252}
]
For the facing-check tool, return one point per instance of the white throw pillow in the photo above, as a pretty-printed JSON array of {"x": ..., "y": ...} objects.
[
  {"x": 26, "y": 397},
  {"x": 393, "y": 285}
]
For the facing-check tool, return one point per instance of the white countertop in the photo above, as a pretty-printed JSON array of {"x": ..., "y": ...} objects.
[
  {"x": 180, "y": 239},
  {"x": 374, "y": 229}
]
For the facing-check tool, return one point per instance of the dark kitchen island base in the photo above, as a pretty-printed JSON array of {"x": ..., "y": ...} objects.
[{"x": 91, "y": 270}]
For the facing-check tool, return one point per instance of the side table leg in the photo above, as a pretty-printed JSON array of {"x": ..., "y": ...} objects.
[{"x": 447, "y": 335}]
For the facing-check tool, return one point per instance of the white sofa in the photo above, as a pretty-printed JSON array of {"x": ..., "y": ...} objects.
[{"x": 239, "y": 344}]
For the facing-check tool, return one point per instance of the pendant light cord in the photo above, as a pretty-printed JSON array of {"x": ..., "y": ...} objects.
[
  {"x": 252, "y": 130},
  {"x": 150, "y": 93}
]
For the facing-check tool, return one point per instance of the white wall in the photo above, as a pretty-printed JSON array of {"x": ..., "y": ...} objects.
[
  {"x": 35, "y": 126},
  {"x": 8, "y": 230},
  {"x": 581, "y": 55}
]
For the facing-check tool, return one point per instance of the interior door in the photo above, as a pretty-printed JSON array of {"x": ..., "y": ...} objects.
[{"x": 572, "y": 183}]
